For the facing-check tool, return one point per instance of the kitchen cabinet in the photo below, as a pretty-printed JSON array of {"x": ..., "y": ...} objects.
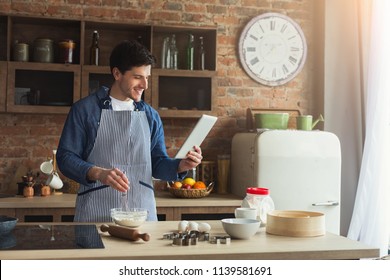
[
  {"x": 182, "y": 92},
  {"x": 42, "y": 88},
  {"x": 52, "y": 87}
]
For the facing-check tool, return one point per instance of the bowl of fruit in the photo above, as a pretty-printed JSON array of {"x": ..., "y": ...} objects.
[{"x": 189, "y": 188}]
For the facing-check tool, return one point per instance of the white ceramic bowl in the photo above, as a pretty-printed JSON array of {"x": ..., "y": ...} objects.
[
  {"x": 240, "y": 228},
  {"x": 132, "y": 218}
]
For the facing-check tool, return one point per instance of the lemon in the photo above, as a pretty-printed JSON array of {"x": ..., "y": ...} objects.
[{"x": 189, "y": 181}]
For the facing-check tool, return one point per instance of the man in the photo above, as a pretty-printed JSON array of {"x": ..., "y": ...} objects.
[{"x": 113, "y": 142}]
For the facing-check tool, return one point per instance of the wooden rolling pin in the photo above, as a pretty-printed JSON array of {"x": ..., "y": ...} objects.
[{"x": 126, "y": 233}]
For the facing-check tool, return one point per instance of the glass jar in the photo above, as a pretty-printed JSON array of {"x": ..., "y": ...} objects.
[
  {"x": 259, "y": 198},
  {"x": 43, "y": 50},
  {"x": 66, "y": 50}
]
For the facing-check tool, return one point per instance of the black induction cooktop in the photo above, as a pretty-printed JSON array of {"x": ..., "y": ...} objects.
[{"x": 46, "y": 237}]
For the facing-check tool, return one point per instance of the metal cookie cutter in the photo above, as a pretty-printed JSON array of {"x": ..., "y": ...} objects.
[
  {"x": 220, "y": 239},
  {"x": 186, "y": 238},
  {"x": 170, "y": 235},
  {"x": 185, "y": 241}
]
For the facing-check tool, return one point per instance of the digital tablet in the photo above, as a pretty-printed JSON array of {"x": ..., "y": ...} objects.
[{"x": 198, "y": 134}]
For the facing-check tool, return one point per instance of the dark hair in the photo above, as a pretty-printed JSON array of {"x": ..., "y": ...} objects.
[{"x": 129, "y": 54}]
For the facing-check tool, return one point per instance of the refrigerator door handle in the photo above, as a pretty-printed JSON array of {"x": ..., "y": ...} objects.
[{"x": 328, "y": 203}]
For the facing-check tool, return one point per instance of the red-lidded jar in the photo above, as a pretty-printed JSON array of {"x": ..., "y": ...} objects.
[
  {"x": 259, "y": 198},
  {"x": 66, "y": 50}
]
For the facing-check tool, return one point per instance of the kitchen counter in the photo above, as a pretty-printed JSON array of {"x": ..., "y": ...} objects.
[
  {"x": 172, "y": 208},
  {"x": 261, "y": 246}
]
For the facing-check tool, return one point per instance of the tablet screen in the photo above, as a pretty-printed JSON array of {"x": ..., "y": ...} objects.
[{"x": 198, "y": 134}]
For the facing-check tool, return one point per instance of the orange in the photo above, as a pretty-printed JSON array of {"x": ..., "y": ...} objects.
[
  {"x": 199, "y": 185},
  {"x": 177, "y": 185}
]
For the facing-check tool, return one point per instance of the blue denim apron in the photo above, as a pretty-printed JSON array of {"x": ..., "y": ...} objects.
[{"x": 123, "y": 142}]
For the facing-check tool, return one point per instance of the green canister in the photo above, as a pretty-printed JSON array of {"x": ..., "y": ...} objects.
[
  {"x": 43, "y": 50},
  {"x": 21, "y": 52}
]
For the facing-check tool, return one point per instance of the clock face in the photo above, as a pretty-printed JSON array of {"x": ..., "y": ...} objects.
[{"x": 272, "y": 49}]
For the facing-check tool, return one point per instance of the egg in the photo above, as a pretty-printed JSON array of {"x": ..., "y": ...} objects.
[
  {"x": 183, "y": 225},
  {"x": 204, "y": 227},
  {"x": 193, "y": 226}
]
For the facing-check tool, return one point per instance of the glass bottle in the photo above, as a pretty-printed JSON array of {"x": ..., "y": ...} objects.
[
  {"x": 201, "y": 54},
  {"x": 173, "y": 53},
  {"x": 190, "y": 52},
  {"x": 166, "y": 54},
  {"x": 94, "y": 53}
]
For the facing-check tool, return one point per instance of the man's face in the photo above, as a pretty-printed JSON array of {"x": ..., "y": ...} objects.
[{"x": 133, "y": 82}]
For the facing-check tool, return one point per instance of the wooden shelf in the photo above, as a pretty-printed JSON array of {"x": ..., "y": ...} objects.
[{"x": 184, "y": 93}]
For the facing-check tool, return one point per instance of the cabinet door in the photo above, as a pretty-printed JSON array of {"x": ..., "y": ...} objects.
[{"x": 42, "y": 87}]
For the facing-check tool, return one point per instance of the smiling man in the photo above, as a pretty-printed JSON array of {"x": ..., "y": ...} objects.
[{"x": 113, "y": 142}]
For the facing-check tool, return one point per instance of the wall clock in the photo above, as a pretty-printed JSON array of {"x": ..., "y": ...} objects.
[{"x": 272, "y": 49}]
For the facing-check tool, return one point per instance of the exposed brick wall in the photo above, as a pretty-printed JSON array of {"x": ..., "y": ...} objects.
[{"x": 27, "y": 139}]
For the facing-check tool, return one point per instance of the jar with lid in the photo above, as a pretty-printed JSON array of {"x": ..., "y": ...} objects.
[
  {"x": 43, "y": 50},
  {"x": 66, "y": 49},
  {"x": 21, "y": 52},
  {"x": 259, "y": 198}
]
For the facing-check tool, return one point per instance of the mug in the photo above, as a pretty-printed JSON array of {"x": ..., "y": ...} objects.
[
  {"x": 47, "y": 167},
  {"x": 54, "y": 181},
  {"x": 246, "y": 213},
  {"x": 305, "y": 122}
]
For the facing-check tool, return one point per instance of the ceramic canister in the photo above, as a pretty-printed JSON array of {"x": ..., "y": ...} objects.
[
  {"x": 21, "y": 52},
  {"x": 43, "y": 50}
]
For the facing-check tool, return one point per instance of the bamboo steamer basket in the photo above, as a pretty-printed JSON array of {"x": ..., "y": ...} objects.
[{"x": 295, "y": 223}]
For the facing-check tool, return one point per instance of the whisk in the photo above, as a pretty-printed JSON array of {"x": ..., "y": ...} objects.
[{"x": 124, "y": 201}]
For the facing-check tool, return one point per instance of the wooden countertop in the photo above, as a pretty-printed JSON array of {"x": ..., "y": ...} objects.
[
  {"x": 261, "y": 246},
  {"x": 163, "y": 199}
]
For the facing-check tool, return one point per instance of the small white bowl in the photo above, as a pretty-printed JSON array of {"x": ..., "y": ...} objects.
[
  {"x": 132, "y": 218},
  {"x": 240, "y": 228}
]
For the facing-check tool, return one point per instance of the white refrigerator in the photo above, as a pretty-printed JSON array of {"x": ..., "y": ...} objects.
[{"x": 302, "y": 170}]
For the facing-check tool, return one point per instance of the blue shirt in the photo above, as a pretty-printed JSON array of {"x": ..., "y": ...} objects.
[{"x": 79, "y": 134}]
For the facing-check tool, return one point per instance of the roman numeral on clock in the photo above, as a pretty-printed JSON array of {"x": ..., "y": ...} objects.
[
  {"x": 272, "y": 25},
  {"x": 254, "y": 61},
  {"x": 293, "y": 60},
  {"x": 285, "y": 69},
  {"x": 283, "y": 28}
]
